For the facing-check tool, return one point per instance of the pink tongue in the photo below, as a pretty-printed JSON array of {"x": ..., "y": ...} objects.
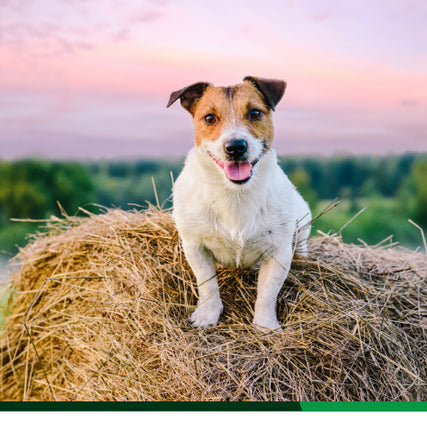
[{"x": 237, "y": 171}]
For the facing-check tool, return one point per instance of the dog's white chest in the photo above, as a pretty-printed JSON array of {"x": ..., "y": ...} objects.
[
  {"x": 238, "y": 236},
  {"x": 236, "y": 252}
]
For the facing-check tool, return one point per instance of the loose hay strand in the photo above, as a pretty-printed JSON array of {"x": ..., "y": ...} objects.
[
  {"x": 102, "y": 308},
  {"x": 422, "y": 233}
]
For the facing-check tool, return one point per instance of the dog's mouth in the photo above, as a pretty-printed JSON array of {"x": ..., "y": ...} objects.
[{"x": 237, "y": 172}]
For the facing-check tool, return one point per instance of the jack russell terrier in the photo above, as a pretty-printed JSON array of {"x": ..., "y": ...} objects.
[{"x": 232, "y": 203}]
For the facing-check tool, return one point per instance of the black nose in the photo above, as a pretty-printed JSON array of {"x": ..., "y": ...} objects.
[{"x": 236, "y": 147}]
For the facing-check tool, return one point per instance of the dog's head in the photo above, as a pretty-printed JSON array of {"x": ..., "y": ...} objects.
[{"x": 233, "y": 125}]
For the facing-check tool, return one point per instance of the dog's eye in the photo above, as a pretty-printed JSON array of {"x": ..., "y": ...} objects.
[
  {"x": 210, "y": 119},
  {"x": 255, "y": 114}
]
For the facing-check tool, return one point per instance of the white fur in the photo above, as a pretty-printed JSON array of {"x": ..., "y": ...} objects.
[{"x": 250, "y": 225}]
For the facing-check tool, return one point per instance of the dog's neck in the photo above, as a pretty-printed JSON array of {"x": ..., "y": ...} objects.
[{"x": 236, "y": 207}]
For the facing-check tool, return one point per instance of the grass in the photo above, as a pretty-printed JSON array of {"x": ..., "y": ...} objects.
[{"x": 381, "y": 219}]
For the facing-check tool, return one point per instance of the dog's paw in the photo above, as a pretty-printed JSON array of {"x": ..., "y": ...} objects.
[
  {"x": 207, "y": 314},
  {"x": 267, "y": 324}
]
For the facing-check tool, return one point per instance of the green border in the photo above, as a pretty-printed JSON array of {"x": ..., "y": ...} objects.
[{"x": 363, "y": 406}]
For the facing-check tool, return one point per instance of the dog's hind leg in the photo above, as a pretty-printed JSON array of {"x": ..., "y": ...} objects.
[{"x": 209, "y": 307}]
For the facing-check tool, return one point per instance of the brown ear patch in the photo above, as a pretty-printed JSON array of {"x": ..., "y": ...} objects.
[
  {"x": 188, "y": 95},
  {"x": 271, "y": 89}
]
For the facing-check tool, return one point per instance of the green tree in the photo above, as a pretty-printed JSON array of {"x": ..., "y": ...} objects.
[
  {"x": 22, "y": 199},
  {"x": 72, "y": 186},
  {"x": 32, "y": 188}
]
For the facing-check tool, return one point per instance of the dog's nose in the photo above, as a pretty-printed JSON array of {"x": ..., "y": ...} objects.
[{"x": 236, "y": 147}]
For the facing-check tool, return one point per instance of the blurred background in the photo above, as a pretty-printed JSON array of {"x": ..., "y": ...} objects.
[{"x": 84, "y": 84}]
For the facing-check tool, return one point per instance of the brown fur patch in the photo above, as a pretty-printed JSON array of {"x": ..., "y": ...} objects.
[{"x": 231, "y": 106}]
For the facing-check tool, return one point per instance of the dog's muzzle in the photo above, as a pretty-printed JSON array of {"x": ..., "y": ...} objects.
[
  {"x": 237, "y": 171},
  {"x": 236, "y": 166}
]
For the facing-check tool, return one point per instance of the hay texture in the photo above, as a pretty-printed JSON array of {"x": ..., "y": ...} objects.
[{"x": 102, "y": 306}]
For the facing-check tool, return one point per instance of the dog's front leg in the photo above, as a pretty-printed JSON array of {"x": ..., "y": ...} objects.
[
  {"x": 203, "y": 264},
  {"x": 272, "y": 274}
]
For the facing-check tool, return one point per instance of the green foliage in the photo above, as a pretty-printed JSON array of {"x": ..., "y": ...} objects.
[
  {"x": 32, "y": 188},
  {"x": 22, "y": 199},
  {"x": 393, "y": 188},
  {"x": 330, "y": 176},
  {"x": 301, "y": 180},
  {"x": 20, "y": 193},
  {"x": 419, "y": 174},
  {"x": 381, "y": 219},
  {"x": 132, "y": 182},
  {"x": 72, "y": 187},
  {"x": 7, "y": 296},
  {"x": 14, "y": 235}
]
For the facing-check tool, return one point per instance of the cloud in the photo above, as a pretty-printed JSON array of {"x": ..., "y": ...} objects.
[
  {"x": 122, "y": 35},
  {"x": 410, "y": 102},
  {"x": 55, "y": 27},
  {"x": 321, "y": 16},
  {"x": 42, "y": 37},
  {"x": 148, "y": 16}
]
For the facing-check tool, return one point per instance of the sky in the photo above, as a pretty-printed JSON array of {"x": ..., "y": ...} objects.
[{"x": 91, "y": 78}]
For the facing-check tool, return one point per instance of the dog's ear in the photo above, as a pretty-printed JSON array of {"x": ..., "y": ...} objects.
[
  {"x": 189, "y": 95},
  {"x": 272, "y": 90}
]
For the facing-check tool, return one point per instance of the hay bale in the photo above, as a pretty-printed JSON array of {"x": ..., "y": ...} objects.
[{"x": 102, "y": 309}]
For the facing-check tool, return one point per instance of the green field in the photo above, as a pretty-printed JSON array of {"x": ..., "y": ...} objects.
[
  {"x": 369, "y": 221},
  {"x": 391, "y": 189}
]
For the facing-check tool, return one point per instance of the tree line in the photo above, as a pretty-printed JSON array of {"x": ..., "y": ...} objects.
[{"x": 32, "y": 188}]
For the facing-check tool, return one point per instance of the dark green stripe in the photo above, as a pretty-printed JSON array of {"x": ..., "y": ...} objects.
[
  {"x": 150, "y": 406},
  {"x": 364, "y": 406},
  {"x": 218, "y": 406}
]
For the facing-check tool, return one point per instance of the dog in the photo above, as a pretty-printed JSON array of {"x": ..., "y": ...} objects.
[{"x": 232, "y": 203}]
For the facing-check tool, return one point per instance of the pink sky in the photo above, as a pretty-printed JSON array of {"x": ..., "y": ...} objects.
[{"x": 91, "y": 78}]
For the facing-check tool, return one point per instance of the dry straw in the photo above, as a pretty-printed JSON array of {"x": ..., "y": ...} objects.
[{"x": 102, "y": 309}]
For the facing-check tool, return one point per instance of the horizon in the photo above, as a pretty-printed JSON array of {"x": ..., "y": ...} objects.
[
  {"x": 181, "y": 158},
  {"x": 90, "y": 80}
]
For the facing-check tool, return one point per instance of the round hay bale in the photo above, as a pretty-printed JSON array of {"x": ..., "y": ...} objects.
[{"x": 102, "y": 307}]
